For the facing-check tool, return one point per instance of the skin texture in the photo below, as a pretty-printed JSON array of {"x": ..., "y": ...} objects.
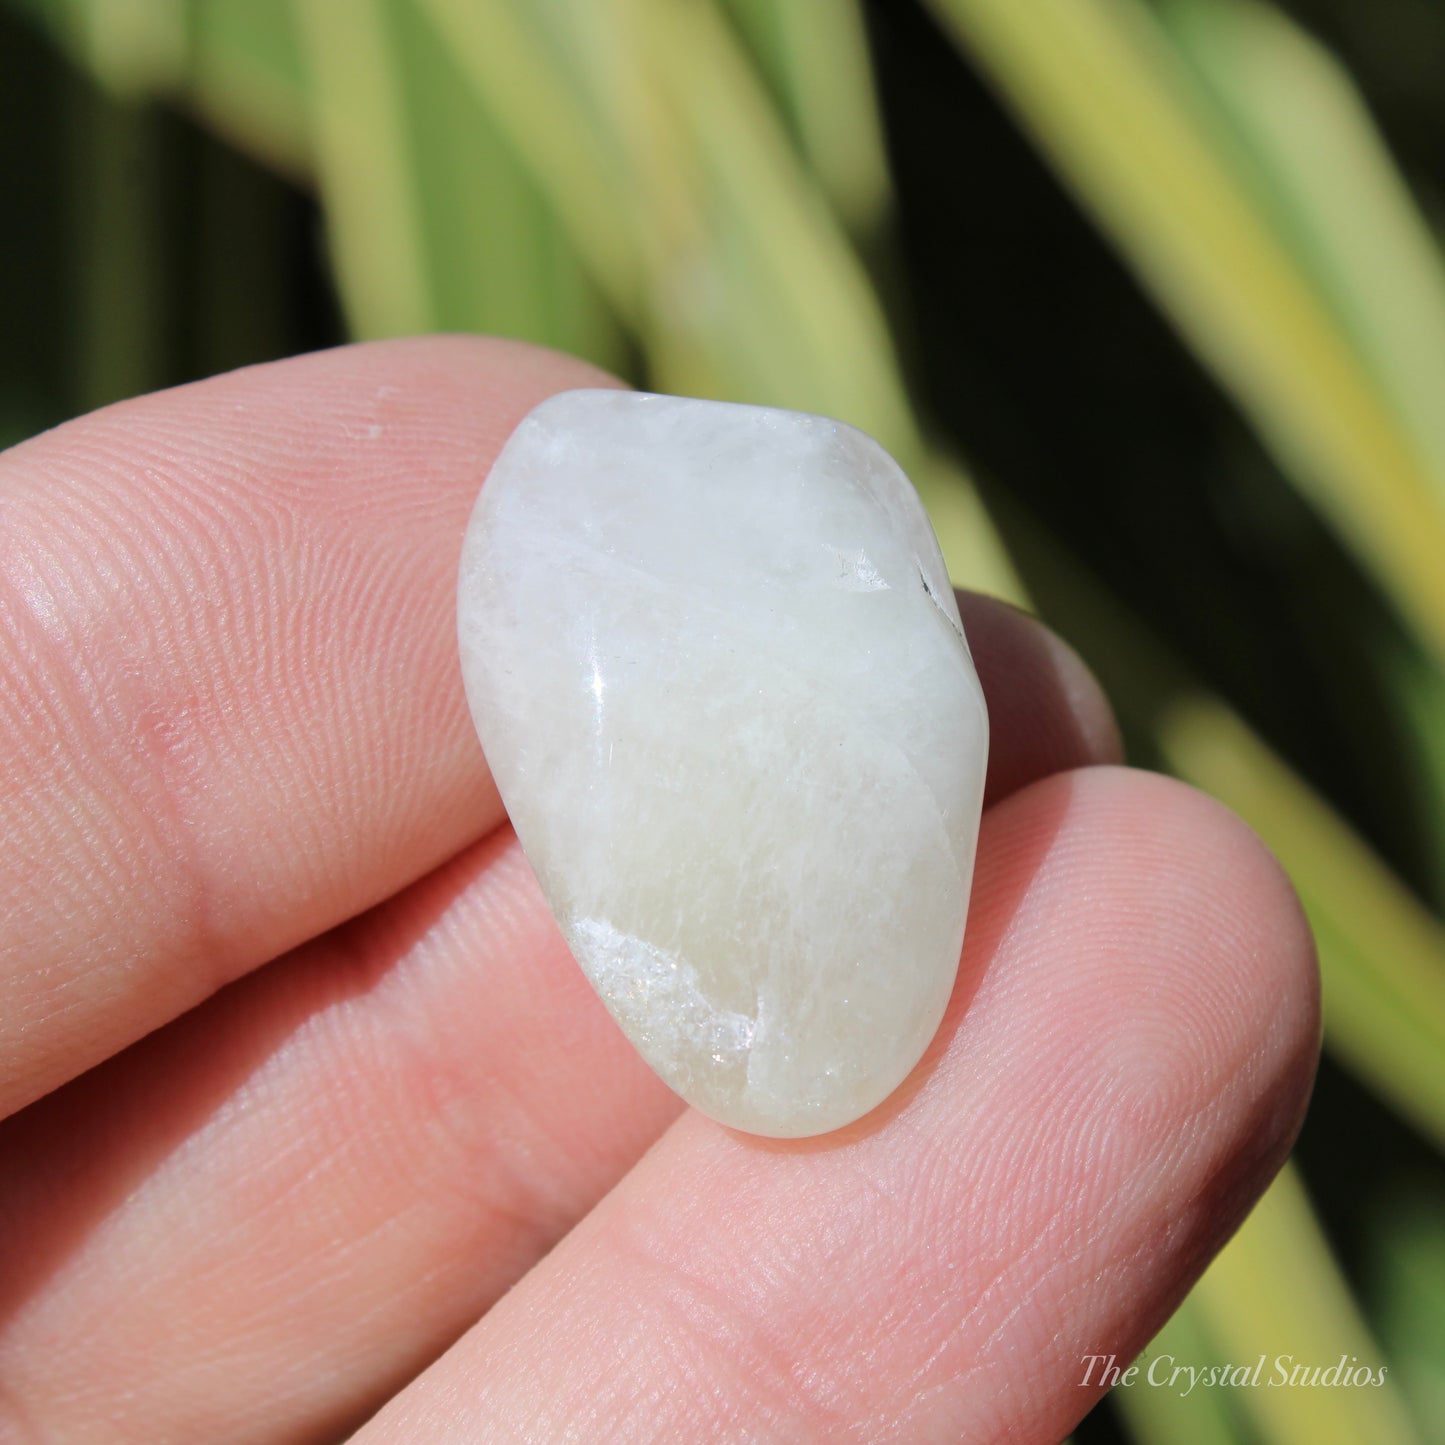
[{"x": 301, "y": 1080}]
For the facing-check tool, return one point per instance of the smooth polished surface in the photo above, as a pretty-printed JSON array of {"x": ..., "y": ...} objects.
[{"x": 716, "y": 665}]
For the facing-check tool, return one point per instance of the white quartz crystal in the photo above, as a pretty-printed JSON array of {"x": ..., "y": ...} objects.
[{"x": 719, "y": 675}]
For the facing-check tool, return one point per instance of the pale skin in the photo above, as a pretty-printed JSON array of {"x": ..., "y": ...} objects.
[{"x": 315, "y": 1126}]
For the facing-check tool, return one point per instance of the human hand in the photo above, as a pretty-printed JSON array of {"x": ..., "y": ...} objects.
[{"x": 306, "y": 1096}]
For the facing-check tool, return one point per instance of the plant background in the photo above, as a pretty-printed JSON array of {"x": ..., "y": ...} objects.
[{"x": 1148, "y": 295}]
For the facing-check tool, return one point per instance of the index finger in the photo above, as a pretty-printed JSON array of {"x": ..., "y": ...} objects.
[{"x": 230, "y": 715}]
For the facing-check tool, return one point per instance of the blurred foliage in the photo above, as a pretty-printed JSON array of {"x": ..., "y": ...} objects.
[{"x": 1155, "y": 269}]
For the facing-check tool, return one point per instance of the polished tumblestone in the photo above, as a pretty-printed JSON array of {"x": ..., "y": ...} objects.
[{"x": 719, "y": 674}]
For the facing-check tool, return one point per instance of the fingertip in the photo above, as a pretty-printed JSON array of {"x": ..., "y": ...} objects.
[
  {"x": 238, "y": 715},
  {"x": 1264, "y": 991},
  {"x": 1188, "y": 998},
  {"x": 1047, "y": 711}
]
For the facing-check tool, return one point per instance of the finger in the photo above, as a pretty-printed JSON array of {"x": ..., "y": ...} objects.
[
  {"x": 1128, "y": 1074},
  {"x": 1046, "y": 711},
  {"x": 230, "y": 714},
  {"x": 291, "y": 1200}
]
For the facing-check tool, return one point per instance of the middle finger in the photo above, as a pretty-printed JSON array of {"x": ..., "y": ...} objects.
[{"x": 290, "y": 1200}]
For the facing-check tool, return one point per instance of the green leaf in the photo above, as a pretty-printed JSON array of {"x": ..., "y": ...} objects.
[
  {"x": 120, "y": 290},
  {"x": 1418, "y": 690},
  {"x": 247, "y": 78},
  {"x": 496, "y": 256},
  {"x": 665, "y": 159},
  {"x": 1408, "y": 1266},
  {"x": 1120, "y": 115},
  {"x": 815, "y": 54},
  {"x": 132, "y": 47},
  {"x": 1320, "y": 161},
  {"x": 362, "y": 150},
  {"x": 1275, "y": 1295},
  {"x": 535, "y": 105},
  {"x": 1382, "y": 952},
  {"x": 1157, "y": 1413}
]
